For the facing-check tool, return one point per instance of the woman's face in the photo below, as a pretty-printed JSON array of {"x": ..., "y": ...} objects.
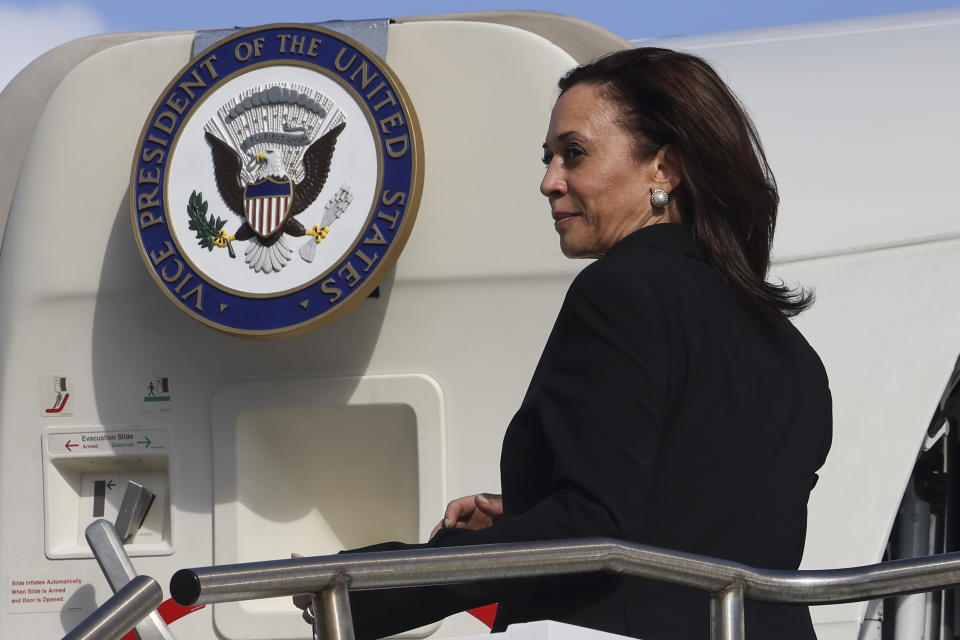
[{"x": 599, "y": 191}]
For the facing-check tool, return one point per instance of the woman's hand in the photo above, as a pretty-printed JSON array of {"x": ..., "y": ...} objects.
[
  {"x": 471, "y": 512},
  {"x": 304, "y": 601}
]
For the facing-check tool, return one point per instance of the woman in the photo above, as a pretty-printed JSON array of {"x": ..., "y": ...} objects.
[{"x": 674, "y": 404}]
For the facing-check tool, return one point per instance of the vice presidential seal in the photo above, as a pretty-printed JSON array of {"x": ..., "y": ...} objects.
[{"x": 276, "y": 180}]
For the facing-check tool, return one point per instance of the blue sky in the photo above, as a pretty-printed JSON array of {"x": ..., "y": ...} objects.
[
  {"x": 32, "y": 27},
  {"x": 629, "y": 19}
]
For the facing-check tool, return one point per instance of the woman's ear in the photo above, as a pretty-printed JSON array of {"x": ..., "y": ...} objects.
[{"x": 666, "y": 172}]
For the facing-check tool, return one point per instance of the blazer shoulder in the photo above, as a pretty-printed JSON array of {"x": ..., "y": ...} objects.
[{"x": 643, "y": 275}]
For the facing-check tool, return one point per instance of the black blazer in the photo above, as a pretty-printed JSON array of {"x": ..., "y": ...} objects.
[{"x": 663, "y": 411}]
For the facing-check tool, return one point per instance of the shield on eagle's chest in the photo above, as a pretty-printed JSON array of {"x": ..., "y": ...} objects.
[{"x": 266, "y": 204}]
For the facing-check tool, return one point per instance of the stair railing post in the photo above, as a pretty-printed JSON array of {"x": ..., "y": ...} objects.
[
  {"x": 726, "y": 613},
  {"x": 333, "y": 620}
]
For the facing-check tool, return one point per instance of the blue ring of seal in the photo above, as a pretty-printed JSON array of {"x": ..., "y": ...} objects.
[{"x": 261, "y": 314}]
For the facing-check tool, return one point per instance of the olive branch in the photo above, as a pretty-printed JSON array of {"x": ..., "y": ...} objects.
[{"x": 209, "y": 230}]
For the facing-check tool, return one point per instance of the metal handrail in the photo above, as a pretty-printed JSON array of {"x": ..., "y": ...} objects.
[
  {"x": 115, "y": 617},
  {"x": 110, "y": 554},
  {"x": 728, "y": 583}
]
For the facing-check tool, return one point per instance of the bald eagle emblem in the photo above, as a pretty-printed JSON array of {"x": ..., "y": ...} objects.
[{"x": 270, "y": 165}]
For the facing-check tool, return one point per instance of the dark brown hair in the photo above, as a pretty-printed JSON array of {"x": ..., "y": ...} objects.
[{"x": 727, "y": 191}]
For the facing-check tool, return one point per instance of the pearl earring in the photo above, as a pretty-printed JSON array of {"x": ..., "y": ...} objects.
[{"x": 659, "y": 198}]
